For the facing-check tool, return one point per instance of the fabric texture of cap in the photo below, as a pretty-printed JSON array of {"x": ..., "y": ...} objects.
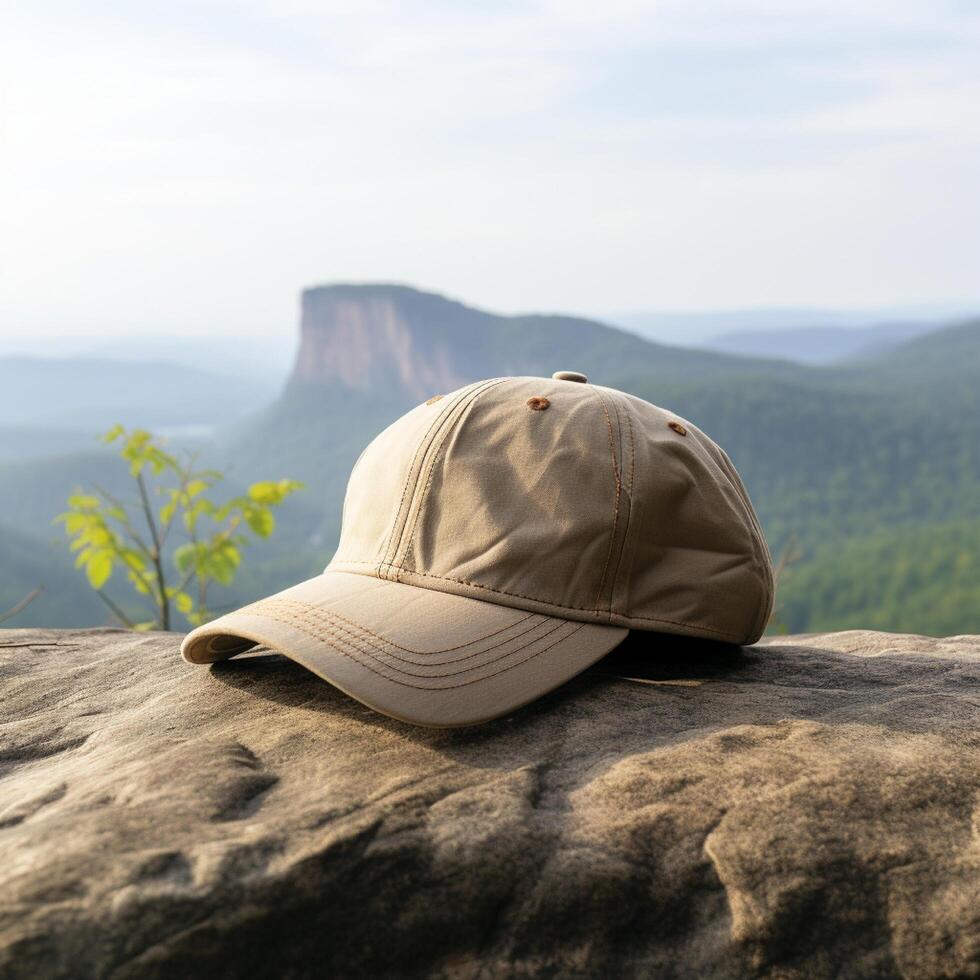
[{"x": 500, "y": 539}]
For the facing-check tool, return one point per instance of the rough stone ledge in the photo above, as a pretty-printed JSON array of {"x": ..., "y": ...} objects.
[{"x": 809, "y": 807}]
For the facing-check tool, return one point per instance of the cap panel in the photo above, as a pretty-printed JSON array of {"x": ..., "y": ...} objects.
[
  {"x": 379, "y": 488},
  {"x": 564, "y": 499},
  {"x": 616, "y": 404},
  {"x": 696, "y": 560},
  {"x": 521, "y": 500}
]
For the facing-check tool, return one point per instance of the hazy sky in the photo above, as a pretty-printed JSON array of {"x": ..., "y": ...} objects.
[{"x": 188, "y": 166}]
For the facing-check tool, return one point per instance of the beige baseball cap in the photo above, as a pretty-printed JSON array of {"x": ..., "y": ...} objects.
[{"x": 500, "y": 539}]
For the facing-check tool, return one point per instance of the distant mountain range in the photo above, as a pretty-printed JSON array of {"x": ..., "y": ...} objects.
[
  {"x": 874, "y": 459},
  {"x": 77, "y": 393},
  {"x": 255, "y": 358},
  {"x": 47, "y": 403},
  {"x": 815, "y": 337},
  {"x": 820, "y": 345},
  {"x": 701, "y": 329}
]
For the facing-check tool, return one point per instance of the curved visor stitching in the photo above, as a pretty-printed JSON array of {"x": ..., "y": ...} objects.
[
  {"x": 373, "y": 667},
  {"x": 312, "y": 622}
]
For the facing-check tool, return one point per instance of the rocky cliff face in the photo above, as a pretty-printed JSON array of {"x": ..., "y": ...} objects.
[{"x": 368, "y": 340}]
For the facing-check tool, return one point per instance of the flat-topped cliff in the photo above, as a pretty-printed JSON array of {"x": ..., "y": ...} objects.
[
  {"x": 402, "y": 342},
  {"x": 383, "y": 337}
]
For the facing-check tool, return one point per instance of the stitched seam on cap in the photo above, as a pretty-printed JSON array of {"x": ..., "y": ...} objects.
[
  {"x": 627, "y": 411},
  {"x": 420, "y": 449},
  {"x": 292, "y": 609},
  {"x": 410, "y": 550},
  {"x": 461, "y": 404},
  {"x": 733, "y": 637},
  {"x": 401, "y": 501},
  {"x": 623, "y": 492},
  {"x": 336, "y": 631},
  {"x": 444, "y": 687},
  {"x": 619, "y": 487}
]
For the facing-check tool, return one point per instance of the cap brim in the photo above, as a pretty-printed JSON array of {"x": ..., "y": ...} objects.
[{"x": 426, "y": 657}]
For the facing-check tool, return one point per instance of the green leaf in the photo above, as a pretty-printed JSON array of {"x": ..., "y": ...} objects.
[
  {"x": 133, "y": 558},
  {"x": 98, "y": 569},
  {"x": 261, "y": 521},
  {"x": 266, "y": 492},
  {"x": 186, "y": 557},
  {"x": 75, "y": 522},
  {"x": 99, "y": 535},
  {"x": 272, "y": 492},
  {"x": 221, "y": 562},
  {"x": 184, "y": 602},
  {"x": 231, "y": 551},
  {"x": 168, "y": 510},
  {"x": 83, "y": 501},
  {"x": 199, "y": 615}
]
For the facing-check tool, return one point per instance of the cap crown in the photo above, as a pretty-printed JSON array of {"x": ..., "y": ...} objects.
[{"x": 590, "y": 507}]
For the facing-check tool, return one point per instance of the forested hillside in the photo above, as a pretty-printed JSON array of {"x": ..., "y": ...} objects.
[
  {"x": 866, "y": 475},
  {"x": 892, "y": 579}
]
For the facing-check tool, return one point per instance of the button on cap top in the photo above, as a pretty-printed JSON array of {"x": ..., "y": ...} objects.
[{"x": 570, "y": 376}]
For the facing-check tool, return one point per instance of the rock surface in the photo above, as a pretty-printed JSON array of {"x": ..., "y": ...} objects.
[{"x": 805, "y": 808}]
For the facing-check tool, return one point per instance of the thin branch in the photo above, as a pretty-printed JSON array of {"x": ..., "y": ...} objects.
[
  {"x": 183, "y": 583},
  {"x": 192, "y": 534},
  {"x": 22, "y": 605},
  {"x": 186, "y": 472},
  {"x": 202, "y": 605},
  {"x": 148, "y": 512},
  {"x": 133, "y": 536},
  {"x": 790, "y": 555},
  {"x": 156, "y": 555},
  {"x": 117, "y": 612},
  {"x": 124, "y": 520}
]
